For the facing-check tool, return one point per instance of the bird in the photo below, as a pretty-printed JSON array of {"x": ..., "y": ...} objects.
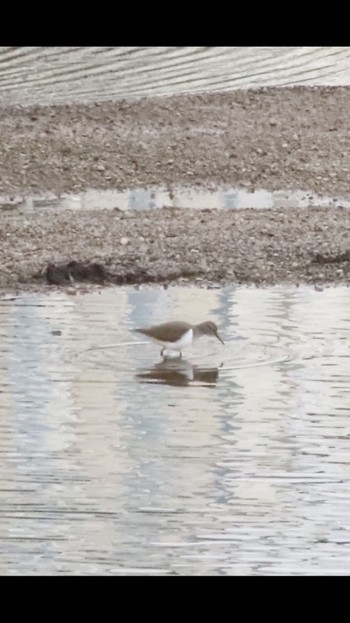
[{"x": 177, "y": 334}]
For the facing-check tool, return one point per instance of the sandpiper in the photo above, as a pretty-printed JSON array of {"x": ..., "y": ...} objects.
[{"x": 177, "y": 335}]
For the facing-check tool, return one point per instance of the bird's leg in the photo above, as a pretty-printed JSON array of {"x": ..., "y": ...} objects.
[{"x": 162, "y": 351}]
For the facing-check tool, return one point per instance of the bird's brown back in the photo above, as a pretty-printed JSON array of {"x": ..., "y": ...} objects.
[{"x": 167, "y": 331}]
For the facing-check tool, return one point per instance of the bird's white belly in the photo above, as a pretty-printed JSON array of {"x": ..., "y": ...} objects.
[{"x": 185, "y": 340}]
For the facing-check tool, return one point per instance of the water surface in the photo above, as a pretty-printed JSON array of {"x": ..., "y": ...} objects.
[
  {"x": 233, "y": 460},
  {"x": 51, "y": 75},
  {"x": 156, "y": 197}
]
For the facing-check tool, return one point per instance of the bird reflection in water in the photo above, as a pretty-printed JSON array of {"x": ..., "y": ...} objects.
[{"x": 178, "y": 372}]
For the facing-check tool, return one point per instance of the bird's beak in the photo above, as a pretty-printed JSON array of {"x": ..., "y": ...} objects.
[{"x": 219, "y": 338}]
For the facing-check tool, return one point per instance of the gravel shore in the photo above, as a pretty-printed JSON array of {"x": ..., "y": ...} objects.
[{"x": 276, "y": 139}]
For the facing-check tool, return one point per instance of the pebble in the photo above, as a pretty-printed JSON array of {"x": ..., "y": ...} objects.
[{"x": 247, "y": 132}]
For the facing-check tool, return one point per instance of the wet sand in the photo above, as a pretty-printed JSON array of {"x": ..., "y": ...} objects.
[{"x": 290, "y": 138}]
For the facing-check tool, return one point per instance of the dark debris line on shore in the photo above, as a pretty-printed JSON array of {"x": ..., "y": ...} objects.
[{"x": 73, "y": 271}]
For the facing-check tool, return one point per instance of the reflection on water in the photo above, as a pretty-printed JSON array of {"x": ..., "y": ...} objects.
[
  {"x": 178, "y": 372},
  {"x": 232, "y": 460},
  {"x": 47, "y": 75},
  {"x": 155, "y": 198}
]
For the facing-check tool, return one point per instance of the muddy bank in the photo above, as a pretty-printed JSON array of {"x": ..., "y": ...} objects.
[
  {"x": 292, "y": 138},
  {"x": 176, "y": 246}
]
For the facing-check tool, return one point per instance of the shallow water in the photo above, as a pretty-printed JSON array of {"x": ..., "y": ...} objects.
[
  {"x": 228, "y": 198},
  {"x": 47, "y": 75},
  {"x": 233, "y": 460}
]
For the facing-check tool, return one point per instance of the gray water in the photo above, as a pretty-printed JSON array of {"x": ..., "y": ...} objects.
[
  {"x": 181, "y": 197},
  {"x": 234, "y": 460},
  {"x": 47, "y": 75}
]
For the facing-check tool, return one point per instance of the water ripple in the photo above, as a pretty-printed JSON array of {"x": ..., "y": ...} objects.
[
  {"x": 233, "y": 460},
  {"x": 46, "y": 75}
]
